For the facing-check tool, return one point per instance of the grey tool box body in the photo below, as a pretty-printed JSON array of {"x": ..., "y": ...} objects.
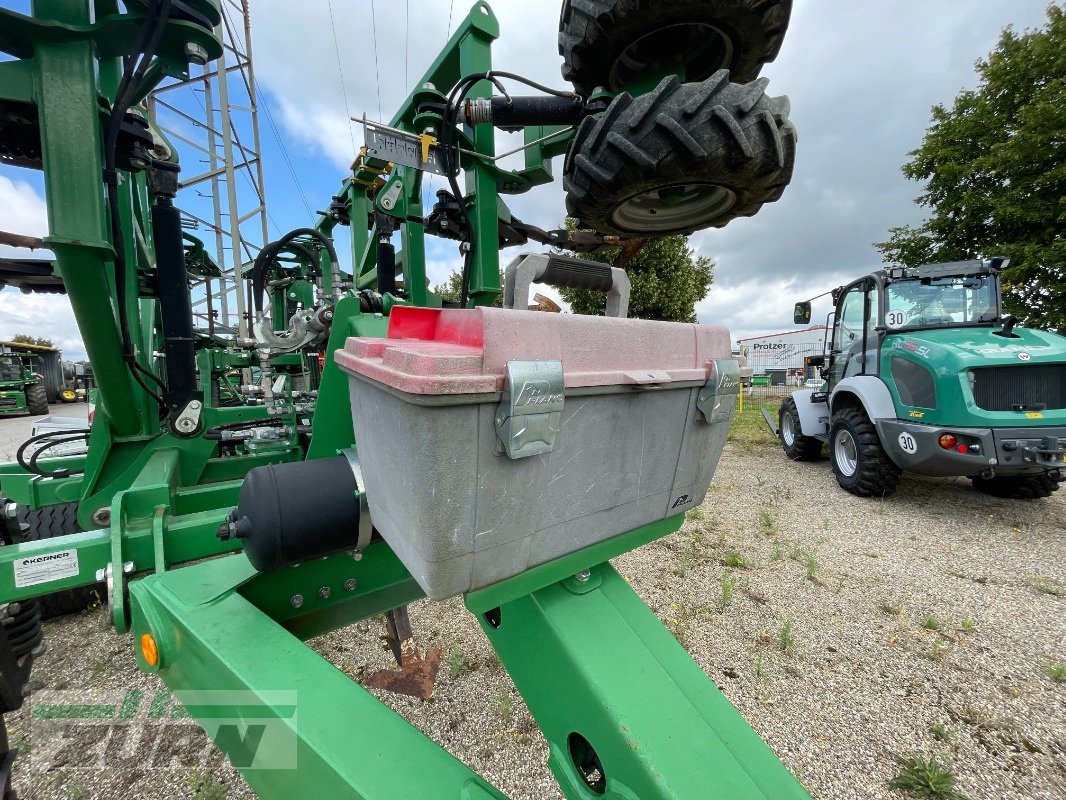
[{"x": 494, "y": 440}]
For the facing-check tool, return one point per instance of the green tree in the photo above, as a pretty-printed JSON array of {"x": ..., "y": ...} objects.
[
  {"x": 995, "y": 171},
  {"x": 667, "y": 279},
  {"x": 25, "y": 338}
]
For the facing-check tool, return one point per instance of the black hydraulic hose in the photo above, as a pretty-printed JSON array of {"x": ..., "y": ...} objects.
[
  {"x": 144, "y": 49},
  {"x": 50, "y": 440},
  {"x": 451, "y": 153},
  {"x": 267, "y": 255}
]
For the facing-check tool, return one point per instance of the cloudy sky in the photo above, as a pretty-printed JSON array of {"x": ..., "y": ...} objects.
[{"x": 861, "y": 77}]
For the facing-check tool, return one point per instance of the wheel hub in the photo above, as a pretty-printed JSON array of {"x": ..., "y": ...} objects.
[
  {"x": 678, "y": 207},
  {"x": 699, "y": 48},
  {"x": 845, "y": 452},
  {"x": 788, "y": 429}
]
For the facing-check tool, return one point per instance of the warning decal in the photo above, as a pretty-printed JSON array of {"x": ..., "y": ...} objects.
[{"x": 46, "y": 567}]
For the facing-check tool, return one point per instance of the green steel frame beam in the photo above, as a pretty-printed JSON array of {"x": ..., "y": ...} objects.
[{"x": 596, "y": 667}]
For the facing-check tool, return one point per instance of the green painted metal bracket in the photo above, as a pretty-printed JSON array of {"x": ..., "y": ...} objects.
[
  {"x": 626, "y": 711},
  {"x": 331, "y": 428},
  {"x": 481, "y": 600},
  {"x": 343, "y": 741}
]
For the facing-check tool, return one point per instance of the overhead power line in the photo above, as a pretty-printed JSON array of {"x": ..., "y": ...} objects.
[{"x": 340, "y": 72}]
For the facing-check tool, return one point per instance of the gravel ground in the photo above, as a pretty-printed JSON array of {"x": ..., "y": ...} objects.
[
  {"x": 858, "y": 632},
  {"x": 15, "y": 430}
]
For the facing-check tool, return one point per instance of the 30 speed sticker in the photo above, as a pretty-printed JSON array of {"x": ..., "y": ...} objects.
[
  {"x": 907, "y": 443},
  {"x": 895, "y": 319},
  {"x": 32, "y": 570}
]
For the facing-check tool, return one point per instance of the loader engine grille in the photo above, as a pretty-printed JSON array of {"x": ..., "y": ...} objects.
[{"x": 1005, "y": 388}]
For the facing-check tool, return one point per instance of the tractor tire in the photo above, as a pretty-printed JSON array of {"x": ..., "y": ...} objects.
[
  {"x": 36, "y": 400},
  {"x": 681, "y": 158},
  {"x": 797, "y": 446},
  {"x": 611, "y": 43},
  {"x": 45, "y": 523},
  {"x": 859, "y": 461},
  {"x": 1020, "y": 487},
  {"x": 67, "y": 396}
]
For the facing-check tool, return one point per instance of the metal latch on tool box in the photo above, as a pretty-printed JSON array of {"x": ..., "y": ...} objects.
[
  {"x": 718, "y": 396},
  {"x": 530, "y": 410}
]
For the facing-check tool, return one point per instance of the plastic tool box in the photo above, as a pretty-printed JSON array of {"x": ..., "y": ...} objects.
[{"x": 492, "y": 440}]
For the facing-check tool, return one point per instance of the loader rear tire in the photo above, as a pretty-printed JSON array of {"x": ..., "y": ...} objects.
[
  {"x": 45, "y": 523},
  {"x": 1020, "y": 487},
  {"x": 859, "y": 461},
  {"x": 797, "y": 446},
  {"x": 36, "y": 400},
  {"x": 611, "y": 43},
  {"x": 681, "y": 158}
]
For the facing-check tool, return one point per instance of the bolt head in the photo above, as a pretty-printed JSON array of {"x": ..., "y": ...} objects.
[
  {"x": 196, "y": 53},
  {"x": 102, "y": 516},
  {"x": 324, "y": 593},
  {"x": 349, "y": 585},
  {"x": 583, "y": 576},
  {"x": 297, "y": 600}
]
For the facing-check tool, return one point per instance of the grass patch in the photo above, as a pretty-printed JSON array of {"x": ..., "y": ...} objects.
[
  {"x": 729, "y": 583},
  {"x": 940, "y": 732},
  {"x": 786, "y": 639},
  {"x": 205, "y": 786},
  {"x": 939, "y": 649},
  {"x": 694, "y": 514},
  {"x": 767, "y": 523},
  {"x": 1046, "y": 585},
  {"x": 735, "y": 560},
  {"x": 930, "y": 623},
  {"x": 967, "y": 625},
  {"x": 750, "y": 428},
  {"x": 925, "y": 778},
  {"x": 456, "y": 663},
  {"x": 504, "y": 705},
  {"x": 812, "y": 568},
  {"x": 1056, "y": 670}
]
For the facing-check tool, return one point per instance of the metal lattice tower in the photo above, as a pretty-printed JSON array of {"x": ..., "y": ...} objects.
[{"x": 213, "y": 120}]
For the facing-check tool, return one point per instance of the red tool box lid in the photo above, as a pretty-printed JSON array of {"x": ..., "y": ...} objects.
[{"x": 465, "y": 351}]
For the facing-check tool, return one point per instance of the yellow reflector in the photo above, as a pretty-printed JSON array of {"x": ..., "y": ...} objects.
[{"x": 149, "y": 649}]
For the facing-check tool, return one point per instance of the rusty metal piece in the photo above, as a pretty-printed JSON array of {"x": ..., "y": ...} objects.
[
  {"x": 630, "y": 248},
  {"x": 544, "y": 304},
  {"x": 417, "y": 675},
  {"x": 20, "y": 240}
]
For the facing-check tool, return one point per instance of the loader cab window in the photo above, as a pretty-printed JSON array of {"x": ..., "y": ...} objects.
[
  {"x": 941, "y": 302},
  {"x": 10, "y": 368},
  {"x": 856, "y": 315}
]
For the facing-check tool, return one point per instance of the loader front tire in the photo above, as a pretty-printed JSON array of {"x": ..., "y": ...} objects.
[
  {"x": 859, "y": 461},
  {"x": 680, "y": 158},
  {"x": 611, "y": 43},
  {"x": 797, "y": 446}
]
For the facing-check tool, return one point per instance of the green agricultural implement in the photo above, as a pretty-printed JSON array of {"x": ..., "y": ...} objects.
[
  {"x": 21, "y": 390},
  {"x": 926, "y": 374},
  {"x": 670, "y": 131}
]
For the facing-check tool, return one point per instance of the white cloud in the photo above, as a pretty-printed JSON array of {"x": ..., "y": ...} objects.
[{"x": 23, "y": 211}]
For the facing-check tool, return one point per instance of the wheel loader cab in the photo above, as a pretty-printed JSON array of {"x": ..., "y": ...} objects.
[{"x": 856, "y": 330}]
